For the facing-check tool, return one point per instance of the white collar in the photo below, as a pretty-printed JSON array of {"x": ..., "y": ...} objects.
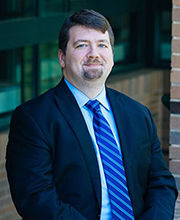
[{"x": 82, "y": 99}]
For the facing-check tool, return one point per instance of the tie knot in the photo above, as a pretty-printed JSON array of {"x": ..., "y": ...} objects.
[{"x": 93, "y": 105}]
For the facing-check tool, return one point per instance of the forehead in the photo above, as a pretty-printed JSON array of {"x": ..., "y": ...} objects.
[{"x": 83, "y": 33}]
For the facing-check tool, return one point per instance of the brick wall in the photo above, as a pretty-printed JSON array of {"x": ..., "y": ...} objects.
[
  {"x": 175, "y": 94},
  {"x": 7, "y": 210}
]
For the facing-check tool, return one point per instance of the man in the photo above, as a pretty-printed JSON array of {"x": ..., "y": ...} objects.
[{"x": 81, "y": 150}]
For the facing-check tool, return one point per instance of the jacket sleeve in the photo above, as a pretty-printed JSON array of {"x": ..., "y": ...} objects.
[
  {"x": 161, "y": 192},
  {"x": 29, "y": 169}
]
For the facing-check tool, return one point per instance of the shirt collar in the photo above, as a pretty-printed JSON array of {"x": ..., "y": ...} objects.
[{"x": 82, "y": 99}]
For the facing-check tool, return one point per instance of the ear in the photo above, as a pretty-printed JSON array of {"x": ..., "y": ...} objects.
[{"x": 61, "y": 58}]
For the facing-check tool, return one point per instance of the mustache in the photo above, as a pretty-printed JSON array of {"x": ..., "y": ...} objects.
[{"x": 92, "y": 61}]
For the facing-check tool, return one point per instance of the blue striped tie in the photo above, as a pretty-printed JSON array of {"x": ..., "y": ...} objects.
[{"x": 112, "y": 162}]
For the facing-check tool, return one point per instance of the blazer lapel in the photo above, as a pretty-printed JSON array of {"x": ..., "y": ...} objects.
[
  {"x": 123, "y": 125},
  {"x": 70, "y": 109}
]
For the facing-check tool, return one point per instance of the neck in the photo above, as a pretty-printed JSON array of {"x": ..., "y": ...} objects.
[
  {"x": 90, "y": 89},
  {"x": 91, "y": 92}
]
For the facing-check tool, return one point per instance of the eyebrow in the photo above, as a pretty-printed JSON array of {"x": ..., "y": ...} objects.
[
  {"x": 87, "y": 41},
  {"x": 80, "y": 41},
  {"x": 104, "y": 41}
]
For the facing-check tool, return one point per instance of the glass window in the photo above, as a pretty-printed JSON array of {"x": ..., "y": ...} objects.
[
  {"x": 27, "y": 74},
  {"x": 10, "y": 88},
  {"x": 10, "y": 79},
  {"x": 125, "y": 49},
  {"x": 162, "y": 32},
  {"x": 76, "y": 5},
  {"x": 20, "y": 79},
  {"x": 49, "y": 7},
  {"x": 16, "y": 8},
  {"x": 50, "y": 70},
  {"x": 16, "y": 80},
  {"x": 165, "y": 31}
]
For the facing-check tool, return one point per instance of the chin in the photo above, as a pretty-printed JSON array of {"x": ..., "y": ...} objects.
[{"x": 92, "y": 75}]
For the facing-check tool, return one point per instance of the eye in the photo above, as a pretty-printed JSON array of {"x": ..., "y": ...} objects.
[
  {"x": 102, "y": 45},
  {"x": 81, "y": 45}
]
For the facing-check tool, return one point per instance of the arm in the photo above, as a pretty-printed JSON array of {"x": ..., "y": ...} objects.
[
  {"x": 29, "y": 169},
  {"x": 161, "y": 193}
]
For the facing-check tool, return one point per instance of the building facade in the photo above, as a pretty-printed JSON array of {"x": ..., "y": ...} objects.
[
  {"x": 29, "y": 63},
  {"x": 175, "y": 94}
]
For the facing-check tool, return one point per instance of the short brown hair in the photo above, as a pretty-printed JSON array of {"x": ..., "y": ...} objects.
[{"x": 87, "y": 18}]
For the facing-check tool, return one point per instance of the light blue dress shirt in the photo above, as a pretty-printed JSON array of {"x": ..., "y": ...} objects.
[{"x": 82, "y": 99}]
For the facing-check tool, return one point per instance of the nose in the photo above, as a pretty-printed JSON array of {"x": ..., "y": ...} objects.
[{"x": 93, "y": 52}]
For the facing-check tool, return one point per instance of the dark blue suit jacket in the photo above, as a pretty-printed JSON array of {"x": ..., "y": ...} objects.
[{"x": 52, "y": 167}]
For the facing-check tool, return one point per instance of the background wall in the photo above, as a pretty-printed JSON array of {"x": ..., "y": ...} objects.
[
  {"x": 175, "y": 94},
  {"x": 29, "y": 64}
]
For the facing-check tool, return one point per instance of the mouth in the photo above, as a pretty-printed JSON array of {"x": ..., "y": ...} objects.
[{"x": 93, "y": 64}]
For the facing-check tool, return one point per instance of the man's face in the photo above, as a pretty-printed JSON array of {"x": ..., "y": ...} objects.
[{"x": 89, "y": 56}]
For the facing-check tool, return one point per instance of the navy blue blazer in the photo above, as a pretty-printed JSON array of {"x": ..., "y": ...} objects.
[{"x": 52, "y": 167}]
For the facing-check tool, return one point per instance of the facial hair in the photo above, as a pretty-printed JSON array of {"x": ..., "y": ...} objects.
[{"x": 95, "y": 73}]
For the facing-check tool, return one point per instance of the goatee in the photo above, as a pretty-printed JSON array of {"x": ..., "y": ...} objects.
[{"x": 93, "y": 74}]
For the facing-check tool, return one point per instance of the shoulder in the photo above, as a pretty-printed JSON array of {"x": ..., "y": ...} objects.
[
  {"x": 37, "y": 108},
  {"x": 126, "y": 101},
  {"x": 132, "y": 111}
]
